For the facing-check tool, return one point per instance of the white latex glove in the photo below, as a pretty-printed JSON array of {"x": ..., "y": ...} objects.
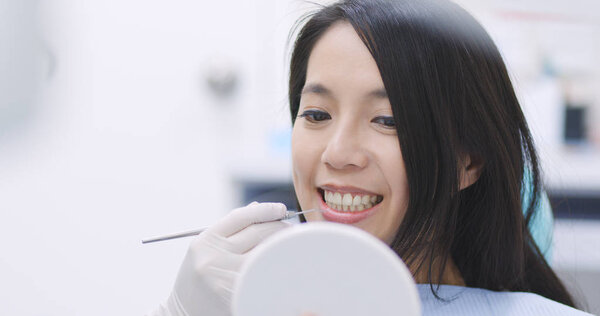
[{"x": 209, "y": 271}]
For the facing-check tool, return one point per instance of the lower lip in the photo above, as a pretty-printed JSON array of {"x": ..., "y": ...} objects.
[{"x": 346, "y": 217}]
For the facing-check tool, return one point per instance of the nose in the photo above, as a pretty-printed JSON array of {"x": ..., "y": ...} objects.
[{"x": 345, "y": 148}]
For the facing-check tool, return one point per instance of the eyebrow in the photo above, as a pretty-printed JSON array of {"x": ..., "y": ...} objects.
[{"x": 320, "y": 89}]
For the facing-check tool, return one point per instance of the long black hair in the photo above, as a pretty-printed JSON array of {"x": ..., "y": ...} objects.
[{"x": 449, "y": 89}]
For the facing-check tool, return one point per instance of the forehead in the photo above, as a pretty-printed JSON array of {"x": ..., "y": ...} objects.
[{"x": 341, "y": 62}]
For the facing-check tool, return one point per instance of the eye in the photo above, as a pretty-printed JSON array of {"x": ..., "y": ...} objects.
[
  {"x": 385, "y": 121},
  {"x": 315, "y": 116}
]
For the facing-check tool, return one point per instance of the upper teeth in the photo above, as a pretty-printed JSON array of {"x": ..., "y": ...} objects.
[{"x": 349, "y": 201}]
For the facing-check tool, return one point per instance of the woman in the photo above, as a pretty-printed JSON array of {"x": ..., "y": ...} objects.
[{"x": 406, "y": 125}]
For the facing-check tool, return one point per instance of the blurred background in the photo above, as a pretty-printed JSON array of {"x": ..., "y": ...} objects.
[{"x": 121, "y": 120}]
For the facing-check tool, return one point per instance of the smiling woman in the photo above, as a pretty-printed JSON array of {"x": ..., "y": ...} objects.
[{"x": 405, "y": 125}]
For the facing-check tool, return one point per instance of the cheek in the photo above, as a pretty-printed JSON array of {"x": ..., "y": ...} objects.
[
  {"x": 305, "y": 159},
  {"x": 397, "y": 180},
  {"x": 298, "y": 164},
  {"x": 399, "y": 186},
  {"x": 395, "y": 174},
  {"x": 393, "y": 167}
]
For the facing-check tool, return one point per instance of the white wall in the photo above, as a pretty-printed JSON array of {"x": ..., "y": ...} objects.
[{"x": 127, "y": 142}]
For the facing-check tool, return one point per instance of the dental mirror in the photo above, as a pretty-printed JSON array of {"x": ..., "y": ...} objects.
[{"x": 324, "y": 269}]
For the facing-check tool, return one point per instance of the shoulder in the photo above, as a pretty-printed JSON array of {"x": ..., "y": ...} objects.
[{"x": 459, "y": 300}]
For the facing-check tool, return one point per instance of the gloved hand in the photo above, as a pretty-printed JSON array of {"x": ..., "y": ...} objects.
[{"x": 207, "y": 275}]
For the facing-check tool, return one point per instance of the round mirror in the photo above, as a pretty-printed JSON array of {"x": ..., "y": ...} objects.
[{"x": 324, "y": 269}]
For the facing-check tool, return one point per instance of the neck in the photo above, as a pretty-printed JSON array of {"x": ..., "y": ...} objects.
[{"x": 451, "y": 275}]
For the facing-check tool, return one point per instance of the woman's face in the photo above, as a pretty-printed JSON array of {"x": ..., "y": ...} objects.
[{"x": 346, "y": 156}]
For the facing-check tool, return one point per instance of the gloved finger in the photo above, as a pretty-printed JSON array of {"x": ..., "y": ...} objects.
[
  {"x": 243, "y": 217},
  {"x": 252, "y": 235}
]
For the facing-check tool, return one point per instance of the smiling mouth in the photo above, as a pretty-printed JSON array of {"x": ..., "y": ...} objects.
[{"x": 349, "y": 202}]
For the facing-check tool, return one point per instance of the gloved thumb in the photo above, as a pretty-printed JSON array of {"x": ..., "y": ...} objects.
[
  {"x": 243, "y": 217},
  {"x": 252, "y": 235}
]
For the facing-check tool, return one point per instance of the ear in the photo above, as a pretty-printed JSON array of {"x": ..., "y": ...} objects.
[{"x": 470, "y": 168}]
